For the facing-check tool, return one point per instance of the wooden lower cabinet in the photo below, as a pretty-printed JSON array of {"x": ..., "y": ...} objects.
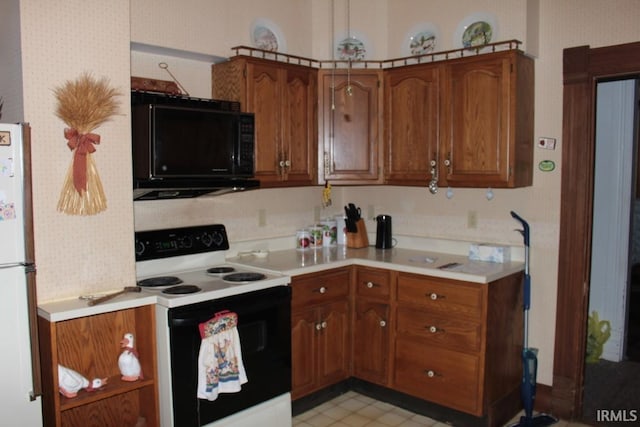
[
  {"x": 459, "y": 344},
  {"x": 91, "y": 346},
  {"x": 371, "y": 341},
  {"x": 454, "y": 343},
  {"x": 320, "y": 331},
  {"x": 371, "y": 325}
]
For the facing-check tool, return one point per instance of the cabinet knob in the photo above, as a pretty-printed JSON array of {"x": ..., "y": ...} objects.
[
  {"x": 447, "y": 162},
  {"x": 434, "y": 329},
  {"x": 287, "y": 163},
  {"x": 435, "y": 296},
  {"x": 321, "y": 290},
  {"x": 430, "y": 373},
  {"x": 383, "y": 323},
  {"x": 324, "y": 324},
  {"x": 281, "y": 163},
  {"x": 318, "y": 326},
  {"x": 370, "y": 285}
]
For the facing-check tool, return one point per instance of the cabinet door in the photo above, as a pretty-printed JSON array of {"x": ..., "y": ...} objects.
[
  {"x": 371, "y": 341},
  {"x": 411, "y": 118},
  {"x": 299, "y": 125},
  {"x": 264, "y": 94},
  {"x": 333, "y": 343},
  {"x": 303, "y": 352},
  {"x": 477, "y": 122},
  {"x": 283, "y": 98},
  {"x": 350, "y": 126}
]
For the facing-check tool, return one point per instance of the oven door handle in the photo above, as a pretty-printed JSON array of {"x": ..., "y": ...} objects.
[{"x": 178, "y": 322}]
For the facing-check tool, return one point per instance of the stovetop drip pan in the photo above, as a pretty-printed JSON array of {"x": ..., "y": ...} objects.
[
  {"x": 220, "y": 270},
  {"x": 243, "y": 277},
  {"x": 181, "y": 289},
  {"x": 159, "y": 281}
]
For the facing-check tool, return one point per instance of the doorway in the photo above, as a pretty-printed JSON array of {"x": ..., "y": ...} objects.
[
  {"x": 583, "y": 68},
  {"x": 613, "y": 201},
  {"x": 610, "y": 377}
]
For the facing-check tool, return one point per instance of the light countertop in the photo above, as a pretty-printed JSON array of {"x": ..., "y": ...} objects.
[
  {"x": 73, "y": 308},
  {"x": 294, "y": 262},
  {"x": 419, "y": 256}
]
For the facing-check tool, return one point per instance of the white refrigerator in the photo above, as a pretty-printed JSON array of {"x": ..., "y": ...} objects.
[{"x": 20, "y": 393}]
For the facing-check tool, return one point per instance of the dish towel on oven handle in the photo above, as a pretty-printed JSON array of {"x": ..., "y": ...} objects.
[{"x": 220, "y": 368}]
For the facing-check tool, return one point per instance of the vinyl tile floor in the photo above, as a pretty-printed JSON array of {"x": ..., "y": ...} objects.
[{"x": 356, "y": 410}]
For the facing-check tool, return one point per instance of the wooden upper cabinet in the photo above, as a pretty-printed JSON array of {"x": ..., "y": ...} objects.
[
  {"x": 466, "y": 121},
  {"x": 411, "y": 124},
  {"x": 350, "y": 126},
  {"x": 283, "y": 99},
  {"x": 487, "y": 121}
]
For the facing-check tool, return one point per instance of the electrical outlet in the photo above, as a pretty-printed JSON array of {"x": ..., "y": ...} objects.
[
  {"x": 472, "y": 219},
  {"x": 262, "y": 217}
]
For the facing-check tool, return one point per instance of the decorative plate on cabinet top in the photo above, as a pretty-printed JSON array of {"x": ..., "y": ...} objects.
[
  {"x": 476, "y": 30},
  {"x": 351, "y": 48},
  {"x": 266, "y": 35},
  {"x": 420, "y": 40}
]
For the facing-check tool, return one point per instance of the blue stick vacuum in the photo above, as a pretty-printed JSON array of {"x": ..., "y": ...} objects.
[{"x": 529, "y": 355}]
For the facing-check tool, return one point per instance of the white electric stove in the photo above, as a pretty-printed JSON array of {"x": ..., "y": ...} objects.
[{"x": 186, "y": 269}]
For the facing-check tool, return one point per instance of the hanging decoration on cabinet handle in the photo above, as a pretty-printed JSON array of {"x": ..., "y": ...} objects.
[
  {"x": 84, "y": 104},
  {"x": 326, "y": 195},
  {"x": 433, "y": 184}
]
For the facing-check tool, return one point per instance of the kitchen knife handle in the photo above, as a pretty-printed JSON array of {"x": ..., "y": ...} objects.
[{"x": 102, "y": 299}]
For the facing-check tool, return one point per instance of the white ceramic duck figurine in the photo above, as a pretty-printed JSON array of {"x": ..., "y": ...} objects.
[
  {"x": 70, "y": 382},
  {"x": 128, "y": 361}
]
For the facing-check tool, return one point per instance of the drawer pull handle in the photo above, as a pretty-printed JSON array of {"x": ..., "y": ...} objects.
[
  {"x": 432, "y": 374},
  {"x": 321, "y": 290},
  {"x": 383, "y": 323},
  {"x": 434, "y": 329},
  {"x": 435, "y": 296}
]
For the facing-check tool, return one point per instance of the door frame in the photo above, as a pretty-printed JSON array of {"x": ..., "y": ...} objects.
[{"x": 583, "y": 67}]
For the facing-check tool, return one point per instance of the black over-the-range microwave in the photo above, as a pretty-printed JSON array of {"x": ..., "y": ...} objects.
[{"x": 187, "y": 147}]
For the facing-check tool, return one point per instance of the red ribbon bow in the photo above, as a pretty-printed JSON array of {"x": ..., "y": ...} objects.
[{"x": 83, "y": 144}]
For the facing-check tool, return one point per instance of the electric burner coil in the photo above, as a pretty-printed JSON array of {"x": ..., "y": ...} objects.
[
  {"x": 153, "y": 282},
  {"x": 243, "y": 277}
]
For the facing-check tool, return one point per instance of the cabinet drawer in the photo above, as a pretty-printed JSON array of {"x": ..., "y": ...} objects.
[
  {"x": 447, "y": 296},
  {"x": 439, "y": 329},
  {"x": 441, "y": 376},
  {"x": 373, "y": 283},
  {"x": 318, "y": 288}
]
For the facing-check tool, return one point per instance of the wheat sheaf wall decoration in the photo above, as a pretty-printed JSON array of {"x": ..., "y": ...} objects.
[{"x": 84, "y": 104}]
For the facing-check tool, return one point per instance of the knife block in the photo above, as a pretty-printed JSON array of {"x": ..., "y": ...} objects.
[{"x": 359, "y": 239}]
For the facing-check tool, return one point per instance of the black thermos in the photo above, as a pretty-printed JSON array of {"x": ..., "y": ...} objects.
[{"x": 383, "y": 232}]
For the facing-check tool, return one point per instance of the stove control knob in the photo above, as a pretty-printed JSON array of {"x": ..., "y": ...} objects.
[
  {"x": 186, "y": 242},
  {"x": 206, "y": 239},
  {"x": 218, "y": 238},
  {"x": 140, "y": 247}
]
